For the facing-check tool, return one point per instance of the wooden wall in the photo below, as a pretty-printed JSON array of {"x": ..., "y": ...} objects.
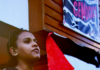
[
  {"x": 53, "y": 17},
  {"x": 50, "y": 17},
  {"x": 47, "y": 15}
]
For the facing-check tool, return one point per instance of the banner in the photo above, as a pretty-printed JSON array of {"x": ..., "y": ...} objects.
[
  {"x": 82, "y": 16},
  {"x": 64, "y": 54}
]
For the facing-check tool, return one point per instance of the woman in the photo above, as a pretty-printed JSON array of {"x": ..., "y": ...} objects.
[{"x": 23, "y": 49}]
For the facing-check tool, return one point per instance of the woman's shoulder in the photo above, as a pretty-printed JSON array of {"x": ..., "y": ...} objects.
[{"x": 10, "y": 68}]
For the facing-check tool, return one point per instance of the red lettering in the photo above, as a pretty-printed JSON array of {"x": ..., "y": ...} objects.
[
  {"x": 75, "y": 11},
  {"x": 83, "y": 11},
  {"x": 79, "y": 9},
  {"x": 86, "y": 15},
  {"x": 93, "y": 12},
  {"x": 89, "y": 15}
]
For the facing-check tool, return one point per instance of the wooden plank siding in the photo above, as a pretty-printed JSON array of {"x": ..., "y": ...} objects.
[
  {"x": 53, "y": 17},
  {"x": 35, "y": 15},
  {"x": 47, "y": 15},
  {"x": 59, "y": 2},
  {"x": 53, "y": 14},
  {"x": 53, "y": 5}
]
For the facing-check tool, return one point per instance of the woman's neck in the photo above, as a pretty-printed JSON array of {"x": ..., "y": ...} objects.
[{"x": 24, "y": 65}]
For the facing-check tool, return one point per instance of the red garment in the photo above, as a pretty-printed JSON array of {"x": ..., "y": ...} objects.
[{"x": 56, "y": 59}]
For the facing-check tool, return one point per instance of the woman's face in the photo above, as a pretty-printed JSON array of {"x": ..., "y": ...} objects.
[{"x": 27, "y": 46}]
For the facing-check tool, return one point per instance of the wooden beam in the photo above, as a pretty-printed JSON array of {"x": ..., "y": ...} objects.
[{"x": 35, "y": 15}]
